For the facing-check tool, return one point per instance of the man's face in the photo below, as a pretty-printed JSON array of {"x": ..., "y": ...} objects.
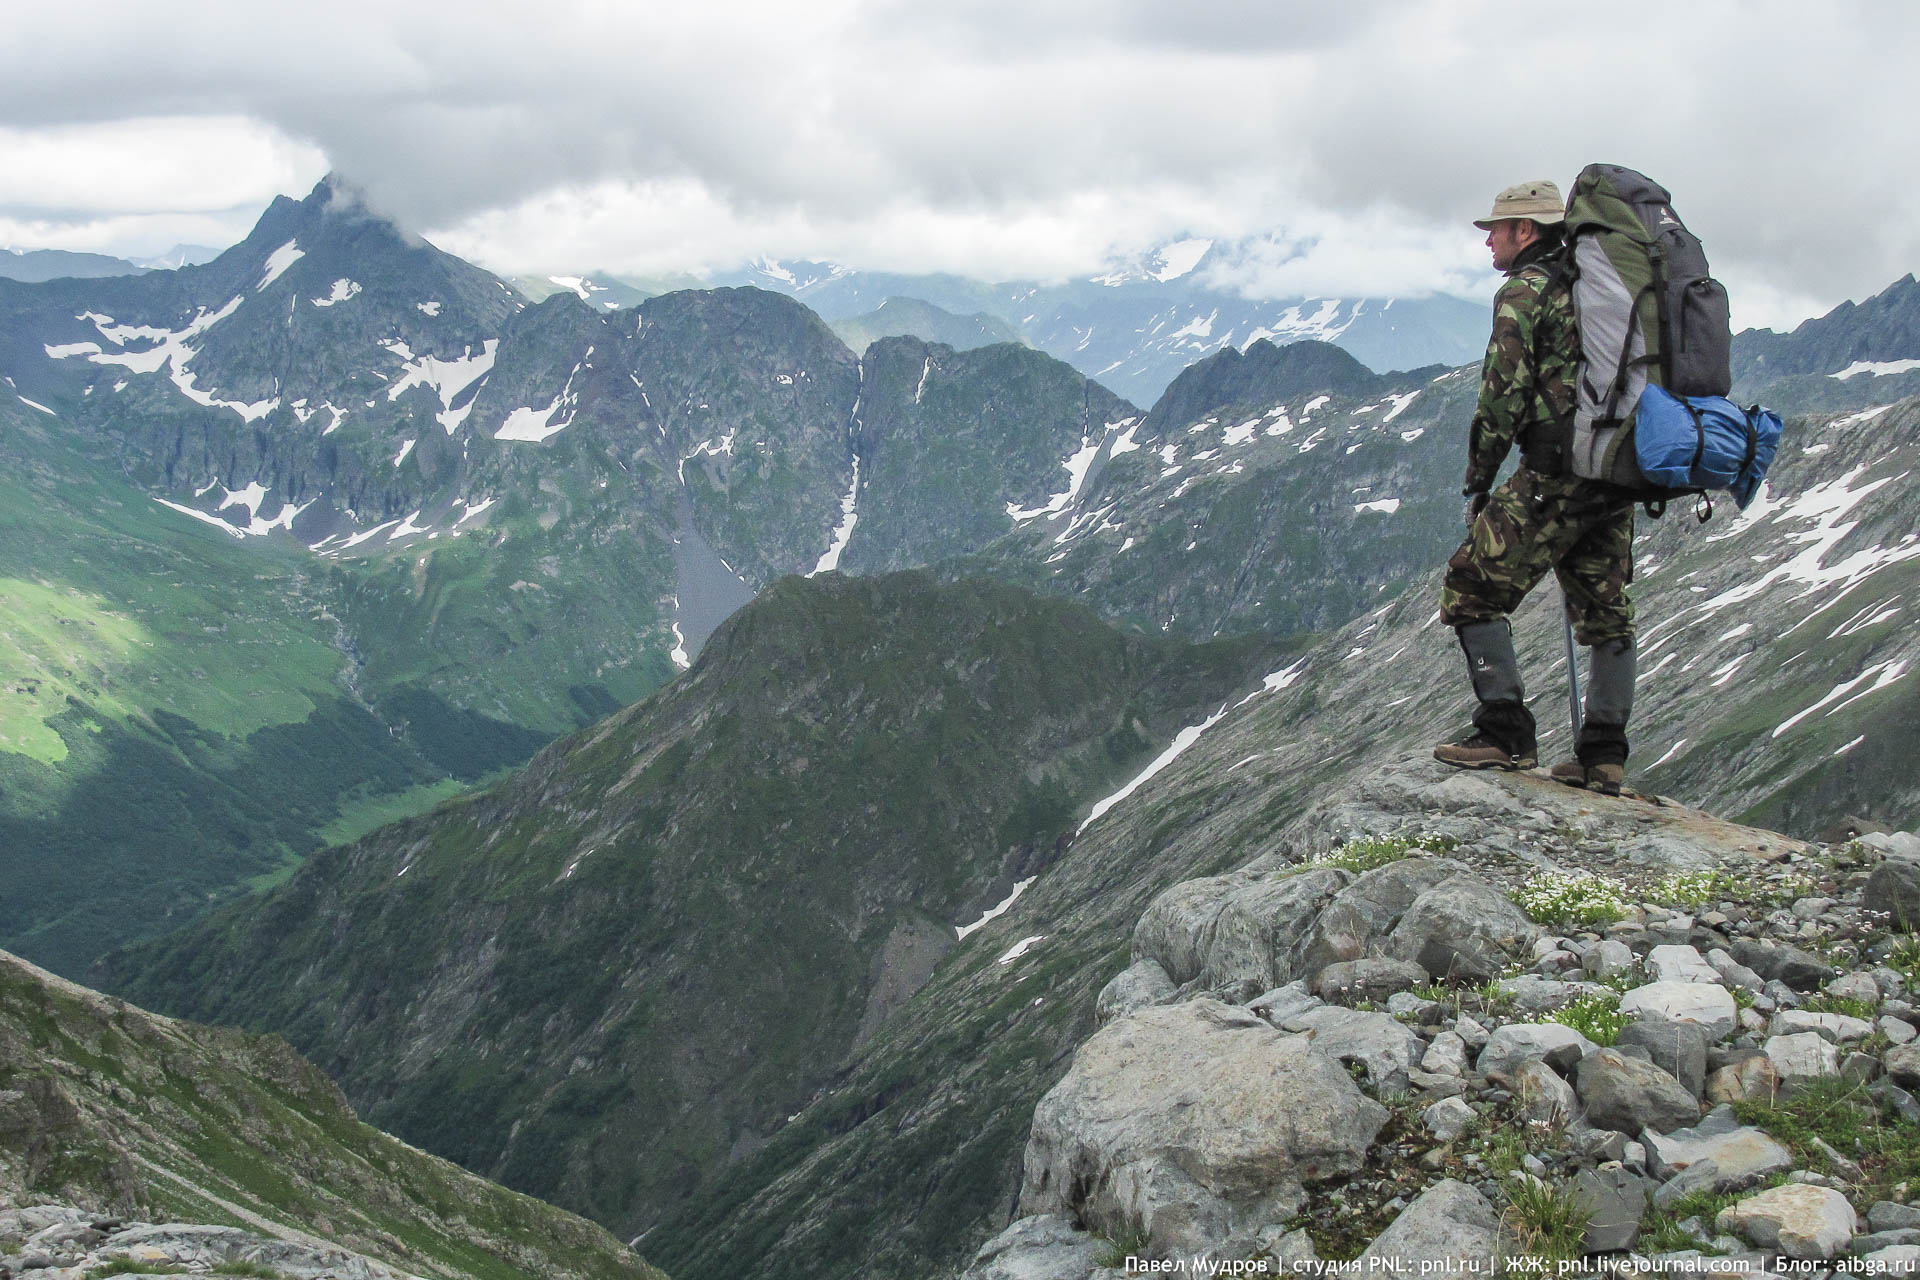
[{"x": 1507, "y": 239}]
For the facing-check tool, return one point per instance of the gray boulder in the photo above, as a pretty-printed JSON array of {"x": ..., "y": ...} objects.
[
  {"x": 1451, "y": 1230},
  {"x": 1543, "y": 1097},
  {"x": 1360, "y": 916},
  {"x": 1678, "y": 1048},
  {"x": 1706, "y": 1005},
  {"x": 1800, "y": 1220},
  {"x": 1894, "y": 887},
  {"x": 1255, "y": 936},
  {"x": 1742, "y": 1155},
  {"x": 1193, "y": 1121},
  {"x": 1800, "y": 1058},
  {"x": 1627, "y": 1094},
  {"x": 1369, "y": 978},
  {"x": 1616, "y": 1199},
  {"x": 1046, "y": 1247},
  {"x": 1379, "y": 1043},
  {"x": 1513, "y": 1044},
  {"x": 1780, "y": 962},
  {"x": 1462, "y": 928},
  {"x": 1141, "y": 985}
]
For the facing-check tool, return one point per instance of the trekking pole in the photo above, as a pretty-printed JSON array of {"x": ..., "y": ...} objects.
[{"x": 1573, "y": 679}]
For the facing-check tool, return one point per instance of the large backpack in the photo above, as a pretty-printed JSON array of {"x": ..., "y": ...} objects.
[{"x": 1648, "y": 314}]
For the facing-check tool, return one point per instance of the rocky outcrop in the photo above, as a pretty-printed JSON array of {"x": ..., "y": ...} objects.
[
  {"x": 60, "y": 1240},
  {"x": 1133, "y": 1149},
  {"x": 1193, "y": 1123}
]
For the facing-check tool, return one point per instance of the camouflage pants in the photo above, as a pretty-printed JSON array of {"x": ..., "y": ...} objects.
[{"x": 1534, "y": 523}]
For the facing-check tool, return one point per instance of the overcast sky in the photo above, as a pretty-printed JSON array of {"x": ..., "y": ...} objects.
[{"x": 1351, "y": 143}]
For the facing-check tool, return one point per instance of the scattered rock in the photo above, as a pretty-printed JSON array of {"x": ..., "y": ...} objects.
[
  {"x": 1706, "y": 1005},
  {"x": 1514, "y": 1043},
  {"x": 1463, "y": 929},
  {"x": 1802, "y": 1057},
  {"x": 1678, "y": 1048},
  {"x": 1451, "y": 1230},
  {"x": 1617, "y": 1201},
  {"x": 1801, "y": 1221},
  {"x": 1742, "y": 1154},
  {"x": 1628, "y": 1094},
  {"x": 1371, "y": 978}
]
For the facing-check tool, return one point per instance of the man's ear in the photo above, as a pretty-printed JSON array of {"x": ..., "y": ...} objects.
[{"x": 1526, "y": 231}]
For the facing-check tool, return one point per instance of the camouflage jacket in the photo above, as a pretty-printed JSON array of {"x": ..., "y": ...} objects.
[{"x": 1528, "y": 376}]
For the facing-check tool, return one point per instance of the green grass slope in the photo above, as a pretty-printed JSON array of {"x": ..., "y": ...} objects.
[
  {"x": 183, "y": 714},
  {"x": 615, "y": 975},
  {"x": 127, "y": 1113}
]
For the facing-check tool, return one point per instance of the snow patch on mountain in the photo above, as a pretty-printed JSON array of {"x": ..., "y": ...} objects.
[
  {"x": 849, "y": 517},
  {"x": 535, "y": 425},
  {"x": 172, "y": 348},
  {"x": 1875, "y": 368},
  {"x": 995, "y": 912},
  {"x": 448, "y": 378},
  {"x": 343, "y": 289},
  {"x": 1116, "y": 438},
  {"x": 277, "y": 263}
]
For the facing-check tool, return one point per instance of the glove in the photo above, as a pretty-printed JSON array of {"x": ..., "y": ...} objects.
[{"x": 1476, "y": 503}]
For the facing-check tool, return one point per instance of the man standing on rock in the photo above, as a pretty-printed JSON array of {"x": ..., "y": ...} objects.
[{"x": 1537, "y": 520}]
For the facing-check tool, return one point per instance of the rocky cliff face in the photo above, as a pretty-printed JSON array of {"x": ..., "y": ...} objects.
[
  {"x": 1286, "y": 490},
  {"x": 113, "y": 1120}
]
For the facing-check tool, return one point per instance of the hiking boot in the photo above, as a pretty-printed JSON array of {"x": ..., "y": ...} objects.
[
  {"x": 1571, "y": 772},
  {"x": 1481, "y": 752},
  {"x": 1607, "y": 779}
]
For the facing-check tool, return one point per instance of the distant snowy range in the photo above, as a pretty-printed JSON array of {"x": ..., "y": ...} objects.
[{"x": 1132, "y": 327}]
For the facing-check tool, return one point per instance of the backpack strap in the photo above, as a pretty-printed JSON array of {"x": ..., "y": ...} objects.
[{"x": 1543, "y": 445}]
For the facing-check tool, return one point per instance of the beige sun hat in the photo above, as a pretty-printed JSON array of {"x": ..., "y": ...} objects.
[{"x": 1538, "y": 200}]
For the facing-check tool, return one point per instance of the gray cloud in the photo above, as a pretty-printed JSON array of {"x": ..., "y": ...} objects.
[{"x": 1004, "y": 137}]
